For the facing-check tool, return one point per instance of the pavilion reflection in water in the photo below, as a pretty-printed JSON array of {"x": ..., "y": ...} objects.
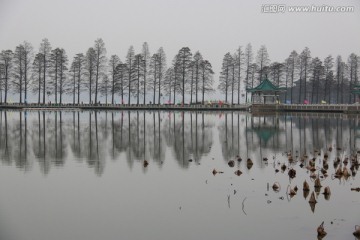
[{"x": 49, "y": 139}]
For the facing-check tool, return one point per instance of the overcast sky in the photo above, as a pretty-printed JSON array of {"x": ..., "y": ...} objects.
[{"x": 213, "y": 27}]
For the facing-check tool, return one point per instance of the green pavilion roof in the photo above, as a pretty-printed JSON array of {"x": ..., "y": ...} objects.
[
  {"x": 265, "y": 86},
  {"x": 264, "y": 133}
]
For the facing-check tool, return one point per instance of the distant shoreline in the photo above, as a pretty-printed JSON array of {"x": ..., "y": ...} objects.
[{"x": 254, "y": 108}]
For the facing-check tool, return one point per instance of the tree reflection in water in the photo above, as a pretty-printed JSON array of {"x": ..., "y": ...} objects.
[{"x": 50, "y": 138}]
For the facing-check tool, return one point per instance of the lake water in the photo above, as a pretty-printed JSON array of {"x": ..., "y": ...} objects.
[{"x": 81, "y": 175}]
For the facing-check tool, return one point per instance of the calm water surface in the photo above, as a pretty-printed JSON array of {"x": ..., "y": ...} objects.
[{"x": 81, "y": 175}]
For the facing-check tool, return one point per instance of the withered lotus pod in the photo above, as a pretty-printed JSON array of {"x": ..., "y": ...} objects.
[
  {"x": 321, "y": 230},
  {"x": 345, "y": 172},
  {"x": 238, "y": 172},
  {"x": 327, "y": 191},
  {"x": 312, "y": 198},
  {"x": 317, "y": 182},
  {"x": 292, "y": 173},
  {"x": 306, "y": 186},
  {"x": 231, "y": 163},
  {"x": 276, "y": 186},
  {"x": 357, "y": 232}
]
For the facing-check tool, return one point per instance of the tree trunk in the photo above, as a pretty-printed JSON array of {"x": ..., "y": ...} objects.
[
  {"x": 90, "y": 78},
  {"x": 78, "y": 85},
  {"x": 6, "y": 84},
  {"x": 203, "y": 86},
  {"x": 305, "y": 79},
  {"x": 39, "y": 86},
  {"x": 138, "y": 84},
  {"x": 191, "y": 86},
  {"x": 160, "y": 78},
  {"x": 56, "y": 73},
  {"x": 20, "y": 92},
  {"x": 25, "y": 79},
  {"x": 154, "y": 83},
  {"x": 196, "y": 81},
  {"x": 300, "y": 81},
  {"x": 96, "y": 80},
  {"x": 44, "y": 80},
  {"x": 226, "y": 83},
  {"x": 74, "y": 82},
  {"x": 232, "y": 84},
  {"x": 183, "y": 83},
  {"x": 145, "y": 72},
  {"x": 113, "y": 87}
]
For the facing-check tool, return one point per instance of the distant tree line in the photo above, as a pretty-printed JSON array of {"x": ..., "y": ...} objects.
[
  {"x": 306, "y": 78},
  {"x": 138, "y": 78},
  {"x": 143, "y": 77}
]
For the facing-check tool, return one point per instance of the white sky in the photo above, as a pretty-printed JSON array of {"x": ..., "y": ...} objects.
[{"x": 212, "y": 26}]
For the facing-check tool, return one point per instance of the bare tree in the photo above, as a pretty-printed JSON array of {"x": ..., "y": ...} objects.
[
  {"x": 197, "y": 61},
  {"x": 154, "y": 74},
  {"x": 138, "y": 76},
  {"x": 252, "y": 73},
  {"x": 304, "y": 62},
  {"x": 100, "y": 61},
  {"x": 157, "y": 71},
  {"x": 191, "y": 82},
  {"x": 90, "y": 70},
  {"x": 77, "y": 69},
  {"x": 161, "y": 58},
  {"x": 73, "y": 72},
  {"x": 225, "y": 75},
  {"x": 54, "y": 70},
  {"x": 122, "y": 76},
  {"x": 183, "y": 61},
  {"x": 6, "y": 57},
  {"x": 37, "y": 75},
  {"x": 262, "y": 61},
  {"x": 18, "y": 71},
  {"x": 276, "y": 73},
  {"x": 169, "y": 83},
  {"x": 328, "y": 65},
  {"x": 63, "y": 63},
  {"x": 291, "y": 62},
  {"x": 233, "y": 78},
  {"x": 339, "y": 74},
  {"x": 239, "y": 61},
  {"x": 113, "y": 63},
  {"x": 45, "y": 49},
  {"x": 206, "y": 79},
  {"x": 353, "y": 74},
  {"x": 130, "y": 58},
  {"x": 317, "y": 70},
  {"x": 27, "y": 58},
  {"x": 2, "y": 76},
  {"x": 248, "y": 61},
  {"x": 146, "y": 56},
  {"x": 105, "y": 87}
]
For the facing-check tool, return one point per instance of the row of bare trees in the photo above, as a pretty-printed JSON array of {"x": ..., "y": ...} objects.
[
  {"x": 141, "y": 77},
  {"x": 306, "y": 78},
  {"x": 144, "y": 77}
]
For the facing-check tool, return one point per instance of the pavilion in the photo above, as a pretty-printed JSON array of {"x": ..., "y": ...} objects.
[
  {"x": 265, "y": 93},
  {"x": 356, "y": 90}
]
